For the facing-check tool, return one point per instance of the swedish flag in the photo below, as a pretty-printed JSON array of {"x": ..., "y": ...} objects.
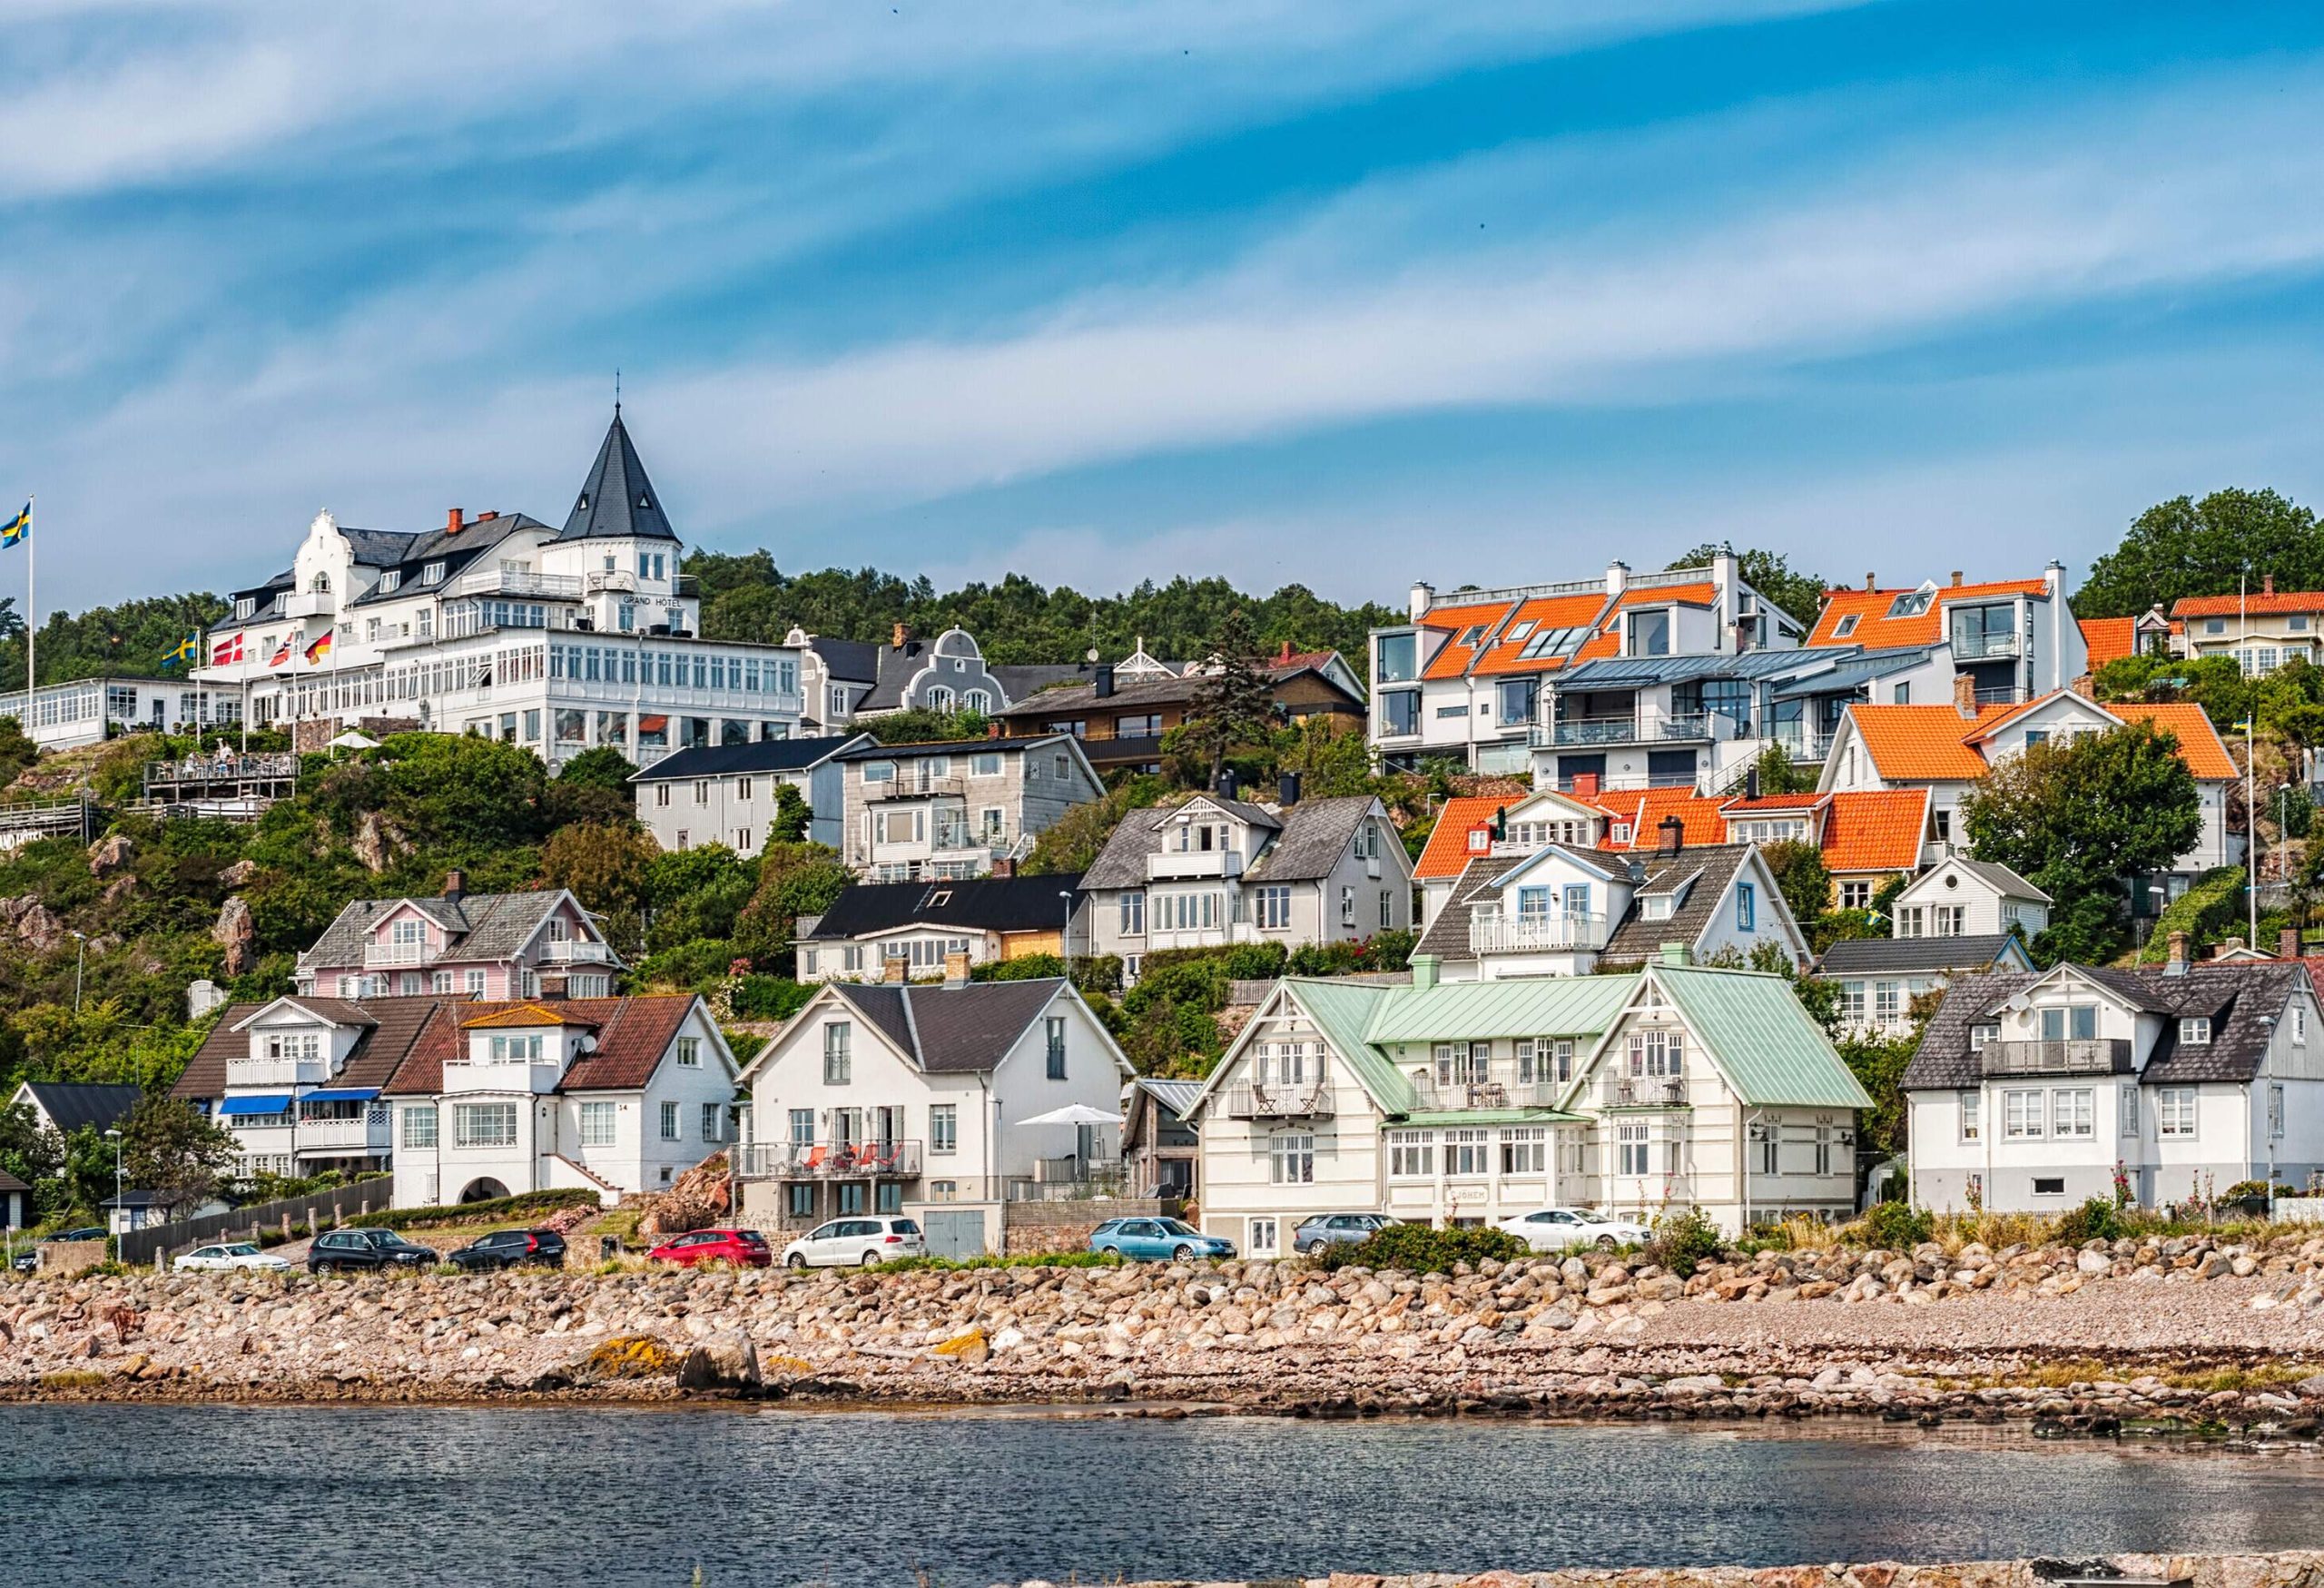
[
  {"x": 18, "y": 528},
  {"x": 188, "y": 650}
]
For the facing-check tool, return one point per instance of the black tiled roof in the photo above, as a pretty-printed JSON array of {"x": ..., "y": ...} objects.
[
  {"x": 1868, "y": 955},
  {"x": 618, "y": 500},
  {"x": 724, "y": 760},
  {"x": 980, "y": 905},
  {"x": 953, "y": 1030},
  {"x": 70, "y": 1107}
]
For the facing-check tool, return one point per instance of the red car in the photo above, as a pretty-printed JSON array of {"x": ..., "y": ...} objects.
[{"x": 745, "y": 1248}]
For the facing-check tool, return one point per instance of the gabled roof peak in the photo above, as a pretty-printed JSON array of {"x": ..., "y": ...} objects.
[{"x": 616, "y": 499}]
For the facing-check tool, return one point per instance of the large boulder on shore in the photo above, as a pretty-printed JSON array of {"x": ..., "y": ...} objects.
[{"x": 722, "y": 1361}]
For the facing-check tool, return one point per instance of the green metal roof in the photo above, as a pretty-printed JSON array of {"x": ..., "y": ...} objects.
[
  {"x": 1493, "y": 1116},
  {"x": 1761, "y": 1038},
  {"x": 1342, "y": 1010},
  {"x": 1532, "y": 1006}
]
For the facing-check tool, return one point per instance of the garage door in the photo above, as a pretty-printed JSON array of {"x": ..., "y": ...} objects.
[{"x": 959, "y": 1233}]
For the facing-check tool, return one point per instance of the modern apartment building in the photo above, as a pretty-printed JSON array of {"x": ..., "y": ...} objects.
[{"x": 558, "y": 638}]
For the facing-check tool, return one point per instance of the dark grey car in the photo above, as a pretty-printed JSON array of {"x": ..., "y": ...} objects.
[{"x": 1336, "y": 1229}]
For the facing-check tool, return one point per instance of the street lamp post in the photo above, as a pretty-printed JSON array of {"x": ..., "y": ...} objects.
[
  {"x": 1065, "y": 938},
  {"x": 113, "y": 1136},
  {"x": 79, "y": 960}
]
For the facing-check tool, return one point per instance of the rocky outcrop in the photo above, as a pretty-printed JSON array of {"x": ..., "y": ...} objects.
[
  {"x": 108, "y": 855},
  {"x": 377, "y": 842},
  {"x": 239, "y": 874},
  {"x": 118, "y": 891},
  {"x": 2285, "y": 1569},
  {"x": 39, "y": 926},
  {"x": 698, "y": 1198},
  {"x": 237, "y": 934}
]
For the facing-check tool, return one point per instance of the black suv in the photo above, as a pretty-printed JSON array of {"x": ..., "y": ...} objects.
[
  {"x": 338, "y": 1249},
  {"x": 505, "y": 1249}
]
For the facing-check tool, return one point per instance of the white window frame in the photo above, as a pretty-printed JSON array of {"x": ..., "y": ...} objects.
[
  {"x": 1973, "y": 1116},
  {"x": 1291, "y": 1158},
  {"x": 2022, "y": 1115},
  {"x": 598, "y": 1123},
  {"x": 2177, "y": 1116}
]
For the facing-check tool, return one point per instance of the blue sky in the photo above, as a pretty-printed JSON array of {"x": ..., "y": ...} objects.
[{"x": 1346, "y": 294}]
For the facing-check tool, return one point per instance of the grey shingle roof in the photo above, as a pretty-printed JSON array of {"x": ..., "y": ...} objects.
[
  {"x": 1070, "y": 699},
  {"x": 952, "y": 1030},
  {"x": 1447, "y": 936},
  {"x": 488, "y": 926},
  {"x": 1705, "y": 869},
  {"x": 455, "y": 552},
  {"x": 616, "y": 499},
  {"x": 1866, "y": 955},
  {"x": 2234, "y": 997},
  {"x": 851, "y": 661},
  {"x": 1315, "y": 835},
  {"x": 70, "y": 1105},
  {"x": 2000, "y": 878}
]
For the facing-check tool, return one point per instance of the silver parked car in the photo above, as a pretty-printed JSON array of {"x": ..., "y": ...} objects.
[
  {"x": 1558, "y": 1230},
  {"x": 1323, "y": 1229}
]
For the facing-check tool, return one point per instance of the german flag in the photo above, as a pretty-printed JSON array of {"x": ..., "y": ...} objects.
[{"x": 321, "y": 649}]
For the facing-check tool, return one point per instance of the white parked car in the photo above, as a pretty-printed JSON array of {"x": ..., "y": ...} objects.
[
  {"x": 851, "y": 1242},
  {"x": 1556, "y": 1229},
  {"x": 238, "y": 1253}
]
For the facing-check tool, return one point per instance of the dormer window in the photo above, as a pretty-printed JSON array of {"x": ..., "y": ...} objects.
[
  {"x": 2195, "y": 1030},
  {"x": 1655, "y": 907},
  {"x": 1912, "y": 603},
  {"x": 521, "y": 1049},
  {"x": 432, "y": 574},
  {"x": 1980, "y": 1035},
  {"x": 246, "y": 607},
  {"x": 391, "y": 581}
]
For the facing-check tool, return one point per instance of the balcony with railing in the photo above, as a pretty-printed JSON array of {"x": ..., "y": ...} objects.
[
  {"x": 300, "y": 1071},
  {"x": 386, "y": 955},
  {"x": 517, "y": 582},
  {"x": 1517, "y": 934},
  {"x": 466, "y": 1072},
  {"x": 323, "y": 1138},
  {"x": 1584, "y": 730},
  {"x": 619, "y": 581},
  {"x": 2070, "y": 1056},
  {"x": 1193, "y": 864},
  {"x": 828, "y": 1161},
  {"x": 1500, "y": 1091},
  {"x": 1649, "y": 1091},
  {"x": 1285, "y": 1100},
  {"x": 953, "y": 786},
  {"x": 574, "y": 951}
]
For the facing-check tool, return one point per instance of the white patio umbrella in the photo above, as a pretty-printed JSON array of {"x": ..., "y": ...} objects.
[
  {"x": 355, "y": 739},
  {"x": 1074, "y": 1114}
]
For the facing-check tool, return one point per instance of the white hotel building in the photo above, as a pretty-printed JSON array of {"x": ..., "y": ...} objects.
[{"x": 557, "y": 640}]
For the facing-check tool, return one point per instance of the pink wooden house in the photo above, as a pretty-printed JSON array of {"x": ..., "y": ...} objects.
[{"x": 473, "y": 945}]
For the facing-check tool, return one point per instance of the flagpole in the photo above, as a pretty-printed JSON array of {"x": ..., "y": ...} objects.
[{"x": 32, "y": 607}]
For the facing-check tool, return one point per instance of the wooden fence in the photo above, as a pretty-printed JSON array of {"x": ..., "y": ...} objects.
[{"x": 339, "y": 1202}]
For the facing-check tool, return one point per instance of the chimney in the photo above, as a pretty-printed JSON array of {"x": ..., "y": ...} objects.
[
  {"x": 1675, "y": 954},
  {"x": 451, "y": 520},
  {"x": 1226, "y": 784},
  {"x": 1671, "y": 834},
  {"x": 956, "y": 968},
  {"x": 2085, "y": 686},
  {"x": 1424, "y": 596},
  {"x": 1102, "y": 680},
  {"x": 1005, "y": 866},
  {"x": 1751, "y": 782},
  {"x": 895, "y": 969},
  {"x": 1871, "y": 582},
  {"x": 1287, "y": 789},
  {"x": 1964, "y": 694},
  {"x": 1586, "y": 783},
  {"x": 992, "y": 728},
  {"x": 1285, "y": 655},
  {"x": 1956, "y": 579},
  {"x": 1618, "y": 576},
  {"x": 487, "y": 516},
  {"x": 2288, "y": 944},
  {"x": 2267, "y": 584},
  {"x": 456, "y": 884},
  {"x": 1423, "y": 971},
  {"x": 899, "y": 637},
  {"x": 2177, "y": 965}
]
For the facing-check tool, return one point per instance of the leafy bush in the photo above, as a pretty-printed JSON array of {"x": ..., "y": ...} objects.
[
  {"x": 498, "y": 1208},
  {"x": 769, "y": 997},
  {"x": 694, "y": 967},
  {"x": 1416, "y": 1248},
  {"x": 2211, "y": 903},
  {"x": 1899, "y": 1226},
  {"x": 1684, "y": 1241},
  {"x": 2096, "y": 1219},
  {"x": 1091, "y": 972},
  {"x": 1383, "y": 950}
]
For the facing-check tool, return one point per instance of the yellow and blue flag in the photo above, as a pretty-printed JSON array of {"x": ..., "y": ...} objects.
[
  {"x": 18, "y": 528},
  {"x": 187, "y": 650}
]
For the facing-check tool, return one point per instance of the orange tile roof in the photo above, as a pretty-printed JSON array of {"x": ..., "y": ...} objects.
[
  {"x": 1643, "y": 809},
  {"x": 2107, "y": 640},
  {"x": 2200, "y": 744},
  {"x": 1447, "y": 848},
  {"x": 1740, "y": 805},
  {"x": 1608, "y": 640},
  {"x": 2258, "y": 602},
  {"x": 1453, "y": 659},
  {"x": 1542, "y": 612},
  {"x": 1923, "y": 744},
  {"x": 1873, "y": 627},
  {"x": 1876, "y": 830}
]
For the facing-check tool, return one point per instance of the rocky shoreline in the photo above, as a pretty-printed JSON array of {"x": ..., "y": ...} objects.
[
  {"x": 2189, "y": 1335},
  {"x": 2286, "y": 1569}
]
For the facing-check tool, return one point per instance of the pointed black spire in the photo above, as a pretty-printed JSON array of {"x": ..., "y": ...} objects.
[{"x": 618, "y": 500}]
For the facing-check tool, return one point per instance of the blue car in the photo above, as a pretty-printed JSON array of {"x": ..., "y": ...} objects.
[{"x": 1158, "y": 1240}]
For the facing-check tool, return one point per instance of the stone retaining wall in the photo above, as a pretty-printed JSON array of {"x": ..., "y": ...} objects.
[{"x": 2289, "y": 1569}]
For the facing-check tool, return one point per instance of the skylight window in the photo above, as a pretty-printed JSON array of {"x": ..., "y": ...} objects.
[
  {"x": 1472, "y": 634},
  {"x": 1847, "y": 627},
  {"x": 1548, "y": 642},
  {"x": 1521, "y": 630},
  {"x": 1912, "y": 603}
]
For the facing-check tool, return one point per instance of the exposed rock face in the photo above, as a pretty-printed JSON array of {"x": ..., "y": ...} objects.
[
  {"x": 239, "y": 874},
  {"x": 235, "y": 932},
  {"x": 725, "y": 1361},
  {"x": 377, "y": 842},
  {"x": 108, "y": 855},
  {"x": 40, "y": 927},
  {"x": 118, "y": 891}
]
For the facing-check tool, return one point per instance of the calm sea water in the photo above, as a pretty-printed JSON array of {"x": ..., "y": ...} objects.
[{"x": 248, "y": 1497}]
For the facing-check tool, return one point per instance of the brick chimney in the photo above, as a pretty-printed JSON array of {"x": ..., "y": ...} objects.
[
  {"x": 1871, "y": 582},
  {"x": 956, "y": 968},
  {"x": 1964, "y": 694},
  {"x": 1005, "y": 866},
  {"x": 1671, "y": 834},
  {"x": 1586, "y": 783},
  {"x": 456, "y": 884},
  {"x": 2267, "y": 584},
  {"x": 451, "y": 520},
  {"x": 2177, "y": 964},
  {"x": 1956, "y": 579},
  {"x": 899, "y": 637},
  {"x": 895, "y": 969},
  {"x": 2288, "y": 944}
]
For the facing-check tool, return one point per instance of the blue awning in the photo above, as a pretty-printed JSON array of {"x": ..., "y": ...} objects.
[
  {"x": 351, "y": 1094},
  {"x": 265, "y": 1105}
]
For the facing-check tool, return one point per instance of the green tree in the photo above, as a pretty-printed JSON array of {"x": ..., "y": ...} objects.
[
  {"x": 794, "y": 880},
  {"x": 792, "y": 815},
  {"x": 606, "y": 867},
  {"x": 1799, "y": 871},
  {"x": 16, "y": 751},
  {"x": 2189, "y": 547},
  {"x": 696, "y": 894},
  {"x": 923, "y": 726},
  {"x": 168, "y": 1145},
  {"x": 1233, "y": 707},
  {"x": 1074, "y": 841},
  {"x": 29, "y": 1149},
  {"x": 1799, "y": 594},
  {"x": 2077, "y": 818},
  {"x": 598, "y": 767}
]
